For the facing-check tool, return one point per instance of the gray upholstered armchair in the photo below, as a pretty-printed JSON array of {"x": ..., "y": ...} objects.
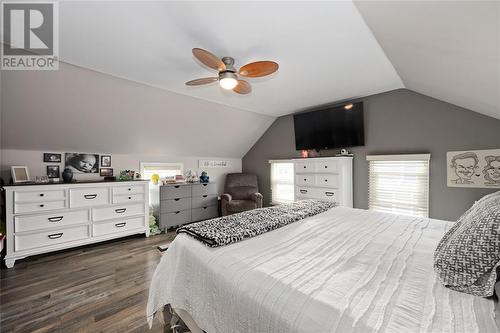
[{"x": 241, "y": 193}]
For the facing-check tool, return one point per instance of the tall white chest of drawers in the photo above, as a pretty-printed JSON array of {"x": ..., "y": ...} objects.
[
  {"x": 324, "y": 178},
  {"x": 45, "y": 218},
  {"x": 185, "y": 203}
]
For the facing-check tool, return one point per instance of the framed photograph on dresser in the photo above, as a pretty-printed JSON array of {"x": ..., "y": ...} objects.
[
  {"x": 105, "y": 161},
  {"x": 20, "y": 174},
  {"x": 106, "y": 172},
  {"x": 53, "y": 171},
  {"x": 52, "y": 157}
]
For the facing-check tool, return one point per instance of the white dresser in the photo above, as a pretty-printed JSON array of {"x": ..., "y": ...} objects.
[
  {"x": 324, "y": 178},
  {"x": 45, "y": 218},
  {"x": 185, "y": 203}
]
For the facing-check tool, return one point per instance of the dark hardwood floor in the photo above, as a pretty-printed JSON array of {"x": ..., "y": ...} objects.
[{"x": 97, "y": 288}]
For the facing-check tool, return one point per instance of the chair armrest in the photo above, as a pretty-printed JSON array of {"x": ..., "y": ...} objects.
[
  {"x": 257, "y": 197},
  {"x": 226, "y": 197}
]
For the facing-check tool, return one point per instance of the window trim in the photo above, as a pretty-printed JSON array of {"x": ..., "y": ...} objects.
[
  {"x": 289, "y": 161},
  {"x": 159, "y": 164},
  {"x": 403, "y": 158},
  {"x": 399, "y": 157}
]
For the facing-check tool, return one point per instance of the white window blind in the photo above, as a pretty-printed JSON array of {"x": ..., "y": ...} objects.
[
  {"x": 162, "y": 169},
  {"x": 282, "y": 186},
  {"x": 399, "y": 184}
]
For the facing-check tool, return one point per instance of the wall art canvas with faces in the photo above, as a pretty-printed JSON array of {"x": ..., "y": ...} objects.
[
  {"x": 82, "y": 163},
  {"x": 474, "y": 168}
]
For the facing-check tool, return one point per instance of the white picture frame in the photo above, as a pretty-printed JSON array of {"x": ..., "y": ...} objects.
[
  {"x": 20, "y": 174},
  {"x": 473, "y": 168}
]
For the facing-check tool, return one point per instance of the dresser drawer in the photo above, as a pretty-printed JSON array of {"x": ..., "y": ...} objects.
[
  {"x": 31, "y": 196},
  {"x": 175, "y": 218},
  {"x": 326, "y": 180},
  {"x": 128, "y": 198},
  {"x": 175, "y": 205},
  {"x": 204, "y": 213},
  {"x": 35, "y": 207},
  {"x": 122, "y": 190},
  {"x": 306, "y": 166},
  {"x": 204, "y": 189},
  {"x": 59, "y": 219},
  {"x": 304, "y": 180},
  {"x": 175, "y": 192},
  {"x": 326, "y": 166},
  {"x": 205, "y": 201},
  {"x": 48, "y": 238},
  {"x": 106, "y": 228},
  {"x": 107, "y": 213},
  {"x": 84, "y": 197},
  {"x": 327, "y": 194}
]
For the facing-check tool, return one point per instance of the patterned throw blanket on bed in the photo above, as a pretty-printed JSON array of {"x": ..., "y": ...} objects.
[{"x": 237, "y": 227}]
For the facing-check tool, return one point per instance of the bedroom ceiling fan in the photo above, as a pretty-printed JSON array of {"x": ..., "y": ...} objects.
[{"x": 228, "y": 77}]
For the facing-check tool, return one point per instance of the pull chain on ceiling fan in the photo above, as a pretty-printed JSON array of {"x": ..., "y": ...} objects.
[{"x": 228, "y": 79}]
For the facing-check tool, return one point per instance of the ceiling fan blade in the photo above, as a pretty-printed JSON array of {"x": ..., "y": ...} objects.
[
  {"x": 199, "y": 82},
  {"x": 259, "y": 68},
  {"x": 243, "y": 87},
  {"x": 209, "y": 59}
]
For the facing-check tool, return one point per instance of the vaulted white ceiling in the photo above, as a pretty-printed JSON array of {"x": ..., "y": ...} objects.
[
  {"x": 325, "y": 50},
  {"x": 449, "y": 50}
]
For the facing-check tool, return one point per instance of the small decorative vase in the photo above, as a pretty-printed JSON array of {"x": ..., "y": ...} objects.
[{"x": 67, "y": 175}]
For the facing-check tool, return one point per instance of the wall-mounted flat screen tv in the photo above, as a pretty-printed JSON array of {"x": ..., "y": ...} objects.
[{"x": 333, "y": 127}]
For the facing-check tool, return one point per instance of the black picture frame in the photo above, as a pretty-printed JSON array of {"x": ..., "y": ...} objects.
[
  {"x": 52, "y": 158},
  {"x": 106, "y": 161},
  {"x": 53, "y": 171},
  {"x": 106, "y": 172}
]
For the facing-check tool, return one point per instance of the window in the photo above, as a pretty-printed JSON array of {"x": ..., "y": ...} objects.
[
  {"x": 282, "y": 187},
  {"x": 162, "y": 169},
  {"x": 399, "y": 184}
]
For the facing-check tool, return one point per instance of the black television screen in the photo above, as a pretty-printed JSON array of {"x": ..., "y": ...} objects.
[{"x": 334, "y": 127}]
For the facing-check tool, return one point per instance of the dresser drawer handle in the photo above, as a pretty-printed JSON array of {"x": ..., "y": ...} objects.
[
  {"x": 205, "y": 207},
  {"x": 41, "y": 194},
  {"x": 303, "y": 191},
  {"x": 130, "y": 189},
  {"x": 176, "y": 186},
  {"x": 205, "y": 195},
  {"x": 42, "y": 205},
  {"x": 90, "y": 196},
  {"x": 120, "y": 210},
  {"x": 55, "y": 218},
  {"x": 326, "y": 166},
  {"x": 130, "y": 198},
  {"x": 305, "y": 167},
  {"x": 326, "y": 180},
  {"x": 55, "y": 236},
  {"x": 177, "y": 199},
  {"x": 329, "y": 194},
  {"x": 177, "y": 212},
  {"x": 120, "y": 225},
  {"x": 305, "y": 179}
]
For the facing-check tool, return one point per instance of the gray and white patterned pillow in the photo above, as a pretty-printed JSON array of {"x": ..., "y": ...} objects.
[{"x": 467, "y": 257}]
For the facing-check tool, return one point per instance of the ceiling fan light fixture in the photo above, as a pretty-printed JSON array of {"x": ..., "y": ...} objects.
[{"x": 228, "y": 80}]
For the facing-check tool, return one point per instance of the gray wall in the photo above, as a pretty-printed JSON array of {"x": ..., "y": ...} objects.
[
  {"x": 399, "y": 121},
  {"x": 77, "y": 109}
]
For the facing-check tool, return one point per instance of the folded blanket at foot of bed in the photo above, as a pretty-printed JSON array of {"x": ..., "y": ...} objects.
[{"x": 237, "y": 227}]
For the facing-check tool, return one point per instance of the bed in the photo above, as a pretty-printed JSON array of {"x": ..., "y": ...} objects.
[{"x": 343, "y": 270}]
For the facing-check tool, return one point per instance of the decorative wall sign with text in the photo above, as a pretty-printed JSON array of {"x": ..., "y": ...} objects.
[
  {"x": 213, "y": 164},
  {"x": 474, "y": 168}
]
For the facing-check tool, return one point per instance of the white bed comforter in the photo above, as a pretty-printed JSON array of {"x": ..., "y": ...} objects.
[{"x": 345, "y": 270}]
